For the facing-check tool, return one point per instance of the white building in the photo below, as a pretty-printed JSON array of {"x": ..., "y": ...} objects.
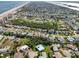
[
  {"x": 66, "y": 53},
  {"x": 40, "y": 47},
  {"x": 24, "y": 47},
  {"x": 55, "y": 48},
  {"x": 5, "y": 49},
  {"x": 70, "y": 39}
]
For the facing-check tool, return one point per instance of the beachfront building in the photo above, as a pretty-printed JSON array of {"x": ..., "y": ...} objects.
[{"x": 9, "y": 15}]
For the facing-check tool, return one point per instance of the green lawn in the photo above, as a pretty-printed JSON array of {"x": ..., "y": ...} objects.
[{"x": 35, "y": 24}]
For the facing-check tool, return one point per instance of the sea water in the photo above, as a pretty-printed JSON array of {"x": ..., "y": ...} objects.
[{"x": 7, "y": 5}]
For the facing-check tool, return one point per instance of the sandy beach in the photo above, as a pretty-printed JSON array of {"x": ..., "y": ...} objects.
[{"x": 11, "y": 11}]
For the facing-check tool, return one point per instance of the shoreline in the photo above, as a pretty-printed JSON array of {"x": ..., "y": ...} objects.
[
  {"x": 62, "y": 4},
  {"x": 11, "y": 11}
]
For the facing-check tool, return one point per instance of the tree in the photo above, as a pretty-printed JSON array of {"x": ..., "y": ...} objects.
[
  {"x": 8, "y": 33},
  {"x": 24, "y": 41}
]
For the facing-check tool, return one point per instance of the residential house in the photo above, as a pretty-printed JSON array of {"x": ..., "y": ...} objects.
[
  {"x": 18, "y": 55},
  {"x": 51, "y": 39},
  {"x": 73, "y": 47},
  {"x": 5, "y": 49},
  {"x": 29, "y": 34},
  {"x": 77, "y": 39},
  {"x": 77, "y": 53},
  {"x": 70, "y": 39},
  {"x": 51, "y": 31},
  {"x": 61, "y": 39},
  {"x": 58, "y": 55},
  {"x": 43, "y": 55},
  {"x": 32, "y": 54},
  {"x": 1, "y": 37},
  {"x": 40, "y": 47},
  {"x": 24, "y": 47},
  {"x": 66, "y": 52},
  {"x": 56, "y": 47}
]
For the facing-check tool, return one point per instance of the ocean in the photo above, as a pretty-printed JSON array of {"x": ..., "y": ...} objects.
[{"x": 7, "y": 5}]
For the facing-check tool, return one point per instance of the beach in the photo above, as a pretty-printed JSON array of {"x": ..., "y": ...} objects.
[{"x": 11, "y": 11}]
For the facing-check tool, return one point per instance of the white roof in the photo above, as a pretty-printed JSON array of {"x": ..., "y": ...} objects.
[
  {"x": 24, "y": 47},
  {"x": 40, "y": 47},
  {"x": 76, "y": 49},
  {"x": 58, "y": 45},
  {"x": 70, "y": 39},
  {"x": 3, "y": 50},
  {"x": 1, "y": 37},
  {"x": 55, "y": 48}
]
